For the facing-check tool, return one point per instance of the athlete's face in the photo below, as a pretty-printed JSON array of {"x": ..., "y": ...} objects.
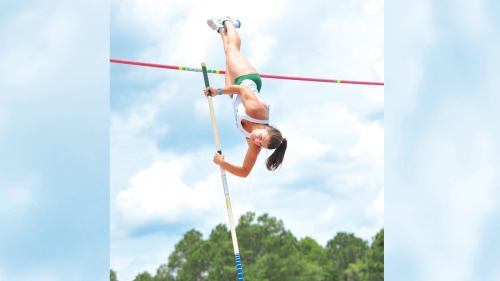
[{"x": 260, "y": 137}]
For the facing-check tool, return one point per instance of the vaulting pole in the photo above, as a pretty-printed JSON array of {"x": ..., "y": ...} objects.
[
  {"x": 261, "y": 75},
  {"x": 223, "y": 176}
]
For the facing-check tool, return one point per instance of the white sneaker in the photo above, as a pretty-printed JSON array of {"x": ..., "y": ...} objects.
[
  {"x": 236, "y": 23},
  {"x": 215, "y": 24}
]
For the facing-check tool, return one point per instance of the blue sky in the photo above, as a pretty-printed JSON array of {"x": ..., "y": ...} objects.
[
  {"x": 441, "y": 141},
  {"x": 74, "y": 155},
  {"x": 163, "y": 182},
  {"x": 54, "y": 140}
]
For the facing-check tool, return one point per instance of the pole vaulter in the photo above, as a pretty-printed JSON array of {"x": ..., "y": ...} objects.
[{"x": 223, "y": 176}]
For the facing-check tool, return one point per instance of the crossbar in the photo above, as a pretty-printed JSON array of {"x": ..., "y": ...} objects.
[{"x": 261, "y": 75}]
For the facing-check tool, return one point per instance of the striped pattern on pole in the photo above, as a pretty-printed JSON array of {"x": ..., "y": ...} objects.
[
  {"x": 238, "y": 266},
  {"x": 223, "y": 176},
  {"x": 261, "y": 75}
]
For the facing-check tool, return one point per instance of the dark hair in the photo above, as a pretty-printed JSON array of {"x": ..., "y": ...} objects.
[{"x": 277, "y": 142}]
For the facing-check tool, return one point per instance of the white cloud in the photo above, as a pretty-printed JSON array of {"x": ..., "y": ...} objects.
[
  {"x": 261, "y": 50},
  {"x": 150, "y": 17},
  {"x": 158, "y": 194},
  {"x": 367, "y": 233},
  {"x": 331, "y": 122},
  {"x": 142, "y": 117},
  {"x": 373, "y": 7},
  {"x": 376, "y": 209},
  {"x": 379, "y": 69},
  {"x": 338, "y": 129},
  {"x": 379, "y": 202},
  {"x": 329, "y": 213},
  {"x": 196, "y": 37},
  {"x": 378, "y": 29},
  {"x": 256, "y": 16},
  {"x": 371, "y": 141},
  {"x": 129, "y": 257},
  {"x": 369, "y": 53},
  {"x": 332, "y": 24},
  {"x": 374, "y": 98},
  {"x": 304, "y": 149},
  {"x": 201, "y": 108}
]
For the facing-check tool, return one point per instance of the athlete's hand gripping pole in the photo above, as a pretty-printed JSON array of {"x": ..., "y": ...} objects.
[{"x": 223, "y": 175}]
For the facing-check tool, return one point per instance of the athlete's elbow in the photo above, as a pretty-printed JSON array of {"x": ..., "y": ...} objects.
[
  {"x": 238, "y": 89},
  {"x": 241, "y": 175},
  {"x": 245, "y": 173}
]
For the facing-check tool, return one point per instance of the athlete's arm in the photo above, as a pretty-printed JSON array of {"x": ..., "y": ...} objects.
[
  {"x": 226, "y": 90},
  {"x": 248, "y": 163},
  {"x": 253, "y": 106}
]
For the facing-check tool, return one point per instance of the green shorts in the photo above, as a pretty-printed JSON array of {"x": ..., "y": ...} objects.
[{"x": 252, "y": 76}]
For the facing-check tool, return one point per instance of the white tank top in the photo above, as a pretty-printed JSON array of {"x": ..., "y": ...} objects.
[{"x": 239, "y": 109}]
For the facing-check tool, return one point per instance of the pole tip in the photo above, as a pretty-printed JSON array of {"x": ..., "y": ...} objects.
[{"x": 203, "y": 64}]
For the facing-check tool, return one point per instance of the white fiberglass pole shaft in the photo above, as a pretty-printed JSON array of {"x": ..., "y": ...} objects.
[{"x": 224, "y": 182}]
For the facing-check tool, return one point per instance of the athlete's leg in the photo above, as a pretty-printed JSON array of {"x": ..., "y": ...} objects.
[
  {"x": 228, "y": 79},
  {"x": 223, "y": 35},
  {"x": 237, "y": 64},
  {"x": 233, "y": 38}
]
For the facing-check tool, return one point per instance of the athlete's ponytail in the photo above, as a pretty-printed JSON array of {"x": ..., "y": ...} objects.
[{"x": 279, "y": 143}]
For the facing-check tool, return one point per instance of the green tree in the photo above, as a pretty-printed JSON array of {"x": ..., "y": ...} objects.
[
  {"x": 314, "y": 255},
  {"x": 189, "y": 261},
  {"x": 353, "y": 271},
  {"x": 373, "y": 261},
  {"x": 222, "y": 265},
  {"x": 112, "y": 275},
  {"x": 163, "y": 274},
  {"x": 145, "y": 276},
  {"x": 342, "y": 250},
  {"x": 269, "y": 252}
]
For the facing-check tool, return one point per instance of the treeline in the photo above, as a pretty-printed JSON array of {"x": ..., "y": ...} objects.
[{"x": 269, "y": 252}]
